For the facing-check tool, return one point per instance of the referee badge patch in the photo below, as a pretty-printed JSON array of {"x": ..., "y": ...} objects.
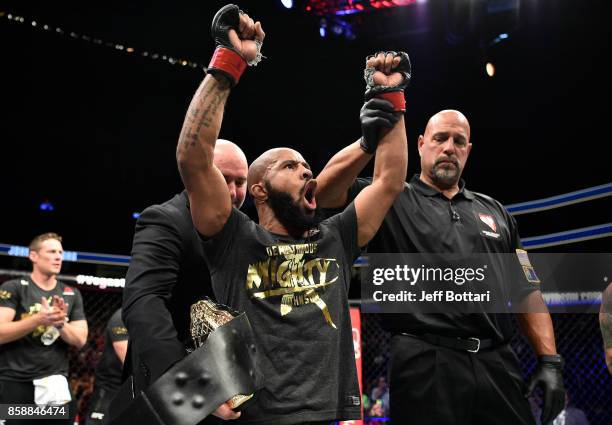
[
  {"x": 488, "y": 220},
  {"x": 528, "y": 269},
  {"x": 491, "y": 229}
]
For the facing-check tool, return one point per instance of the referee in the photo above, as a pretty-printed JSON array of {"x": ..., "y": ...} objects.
[{"x": 453, "y": 368}]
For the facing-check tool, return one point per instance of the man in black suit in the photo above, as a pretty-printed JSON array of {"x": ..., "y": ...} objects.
[{"x": 167, "y": 274}]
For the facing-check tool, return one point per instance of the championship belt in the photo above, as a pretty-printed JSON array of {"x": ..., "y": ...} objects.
[
  {"x": 222, "y": 367},
  {"x": 206, "y": 316}
]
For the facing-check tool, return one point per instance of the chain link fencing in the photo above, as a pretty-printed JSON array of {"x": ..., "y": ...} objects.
[{"x": 578, "y": 340}]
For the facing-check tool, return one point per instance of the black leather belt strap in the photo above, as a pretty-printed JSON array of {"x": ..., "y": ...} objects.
[
  {"x": 226, "y": 365},
  {"x": 472, "y": 345}
]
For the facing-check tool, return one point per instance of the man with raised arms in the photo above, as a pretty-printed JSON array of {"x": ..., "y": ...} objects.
[{"x": 290, "y": 273}]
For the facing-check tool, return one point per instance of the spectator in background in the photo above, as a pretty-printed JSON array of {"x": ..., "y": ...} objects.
[
  {"x": 380, "y": 398},
  {"x": 570, "y": 415},
  {"x": 108, "y": 372},
  {"x": 380, "y": 389},
  {"x": 40, "y": 317}
]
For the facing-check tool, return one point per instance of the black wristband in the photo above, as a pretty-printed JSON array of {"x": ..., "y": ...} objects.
[{"x": 551, "y": 359}]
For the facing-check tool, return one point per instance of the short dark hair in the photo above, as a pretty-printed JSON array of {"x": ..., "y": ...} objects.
[{"x": 35, "y": 244}]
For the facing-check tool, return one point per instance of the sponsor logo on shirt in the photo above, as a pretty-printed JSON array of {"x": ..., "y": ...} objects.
[
  {"x": 24, "y": 282},
  {"x": 490, "y": 222},
  {"x": 5, "y": 295},
  {"x": 68, "y": 291},
  {"x": 294, "y": 276}
]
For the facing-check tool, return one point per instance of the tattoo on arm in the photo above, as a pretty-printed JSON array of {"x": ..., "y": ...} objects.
[{"x": 203, "y": 108}]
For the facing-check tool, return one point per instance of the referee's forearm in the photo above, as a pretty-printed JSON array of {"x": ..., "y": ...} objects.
[{"x": 536, "y": 324}]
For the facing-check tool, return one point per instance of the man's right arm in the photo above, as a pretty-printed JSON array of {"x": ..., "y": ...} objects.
[
  {"x": 12, "y": 330},
  {"x": 209, "y": 197},
  {"x": 237, "y": 45}
]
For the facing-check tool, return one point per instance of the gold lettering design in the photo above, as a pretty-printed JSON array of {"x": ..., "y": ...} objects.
[
  {"x": 286, "y": 274},
  {"x": 32, "y": 311}
]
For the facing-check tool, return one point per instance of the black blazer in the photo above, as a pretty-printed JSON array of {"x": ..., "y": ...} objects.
[{"x": 167, "y": 274}]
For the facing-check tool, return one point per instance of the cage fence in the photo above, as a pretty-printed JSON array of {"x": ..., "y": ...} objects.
[{"x": 578, "y": 339}]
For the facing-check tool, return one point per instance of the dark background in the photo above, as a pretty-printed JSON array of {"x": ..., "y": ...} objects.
[{"x": 94, "y": 129}]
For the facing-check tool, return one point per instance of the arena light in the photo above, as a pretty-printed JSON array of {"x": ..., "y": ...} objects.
[
  {"x": 46, "y": 206},
  {"x": 500, "y": 37},
  {"x": 337, "y": 27},
  {"x": 490, "y": 69},
  {"x": 287, "y": 3},
  {"x": 37, "y": 25},
  {"x": 348, "y": 7}
]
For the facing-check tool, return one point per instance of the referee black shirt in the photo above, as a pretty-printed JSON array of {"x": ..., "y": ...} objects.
[{"x": 424, "y": 220}]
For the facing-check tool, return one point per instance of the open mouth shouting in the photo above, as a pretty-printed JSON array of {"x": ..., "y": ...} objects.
[{"x": 308, "y": 197}]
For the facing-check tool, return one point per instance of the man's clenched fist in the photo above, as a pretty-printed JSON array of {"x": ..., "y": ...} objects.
[
  {"x": 247, "y": 40},
  {"x": 238, "y": 39},
  {"x": 387, "y": 74}
]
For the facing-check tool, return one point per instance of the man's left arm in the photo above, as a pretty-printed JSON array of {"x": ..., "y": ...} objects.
[
  {"x": 377, "y": 117},
  {"x": 118, "y": 334},
  {"x": 536, "y": 324},
  {"x": 387, "y": 74},
  {"x": 74, "y": 332}
]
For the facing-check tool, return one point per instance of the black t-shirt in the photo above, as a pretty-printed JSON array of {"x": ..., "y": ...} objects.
[
  {"x": 423, "y": 220},
  {"x": 294, "y": 292},
  {"x": 27, "y": 358},
  {"x": 108, "y": 372}
]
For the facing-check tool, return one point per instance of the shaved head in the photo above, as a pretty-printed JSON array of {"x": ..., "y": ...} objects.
[
  {"x": 232, "y": 163},
  {"x": 264, "y": 162},
  {"x": 444, "y": 149},
  {"x": 447, "y": 115},
  {"x": 282, "y": 186},
  {"x": 225, "y": 149}
]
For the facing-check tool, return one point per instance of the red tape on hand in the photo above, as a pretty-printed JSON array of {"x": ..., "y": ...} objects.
[
  {"x": 228, "y": 62},
  {"x": 395, "y": 97}
]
